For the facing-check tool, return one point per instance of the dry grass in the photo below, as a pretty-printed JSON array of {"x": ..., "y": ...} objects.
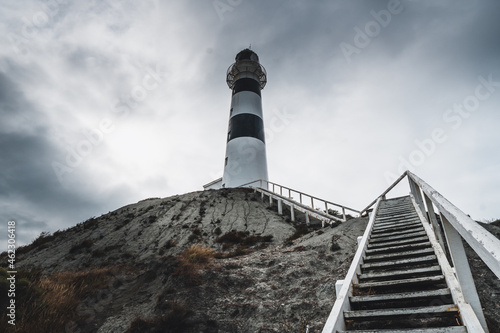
[
  {"x": 191, "y": 262},
  {"x": 49, "y": 303}
]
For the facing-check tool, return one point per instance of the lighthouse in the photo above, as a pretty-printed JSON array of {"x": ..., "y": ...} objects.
[{"x": 245, "y": 159}]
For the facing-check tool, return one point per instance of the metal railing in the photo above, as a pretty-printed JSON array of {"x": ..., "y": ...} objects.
[
  {"x": 446, "y": 233},
  {"x": 307, "y": 201}
]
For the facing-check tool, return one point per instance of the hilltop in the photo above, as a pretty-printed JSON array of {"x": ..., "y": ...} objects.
[{"x": 209, "y": 261}]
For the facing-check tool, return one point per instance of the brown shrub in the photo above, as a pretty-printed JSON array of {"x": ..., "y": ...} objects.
[{"x": 191, "y": 261}]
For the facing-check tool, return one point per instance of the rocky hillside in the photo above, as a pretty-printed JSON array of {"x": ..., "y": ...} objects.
[{"x": 212, "y": 261}]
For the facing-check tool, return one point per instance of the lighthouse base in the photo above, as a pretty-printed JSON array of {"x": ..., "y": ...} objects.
[{"x": 245, "y": 162}]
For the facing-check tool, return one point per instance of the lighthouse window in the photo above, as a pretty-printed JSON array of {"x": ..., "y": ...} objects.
[
  {"x": 225, "y": 163},
  {"x": 231, "y": 112}
]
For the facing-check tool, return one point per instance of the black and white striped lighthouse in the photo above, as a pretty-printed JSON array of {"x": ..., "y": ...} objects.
[{"x": 246, "y": 159}]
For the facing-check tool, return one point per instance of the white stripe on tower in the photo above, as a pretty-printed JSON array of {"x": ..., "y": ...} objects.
[{"x": 246, "y": 148}]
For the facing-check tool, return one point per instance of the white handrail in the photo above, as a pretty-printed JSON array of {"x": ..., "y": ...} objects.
[
  {"x": 485, "y": 244},
  {"x": 385, "y": 192},
  {"x": 472, "y": 320},
  {"x": 301, "y": 207},
  {"x": 277, "y": 188},
  {"x": 335, "y": 320}
]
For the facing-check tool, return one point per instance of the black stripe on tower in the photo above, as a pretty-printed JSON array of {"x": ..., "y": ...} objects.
[
  {"x": 246, "y": 84},
  {"x": 246, "y": 125}
]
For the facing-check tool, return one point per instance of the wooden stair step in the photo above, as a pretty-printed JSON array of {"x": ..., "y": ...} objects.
[
  {"x": 398, "y": 242},
  {"x": 397, "y": 296},
  {"x": 399, "y": 262},
  {"x": 400, "y": 236},
  {"x": 395, "y": 225},
  {"x": 397, "y": 248},
  {"x": 398, "y": 274},
  {"x": 395, "y": 213},
  {"x": 400, "y": 228},
  {"x": 395, "y": 222},
  {"x": 403, "y": 254},
  {"x": 398, "y": 216},
  {"x": 429, "y": 310},
  {"x": 451, "y": 329},
  {"x": 398, "y": 232},
  {"x": 402, "y": 282},
  {"x": 386, "y": 205}
]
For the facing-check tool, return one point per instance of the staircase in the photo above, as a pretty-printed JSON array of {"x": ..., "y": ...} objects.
[
  {"x": 401, "y": 287},
  {"x": 410, "y": 272}
]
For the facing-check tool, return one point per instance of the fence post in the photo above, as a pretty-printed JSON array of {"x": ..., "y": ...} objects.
[
  {"x": 462, "y": 270},
  {"x": 343, "y": 213},
  {"x": 292, "y": 213},
  {"x": 280, "y": 207},
  {"x": 308, "y": 222}
]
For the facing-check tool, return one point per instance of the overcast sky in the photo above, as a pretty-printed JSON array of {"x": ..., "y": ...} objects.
[{"x": 105, "y": 103}]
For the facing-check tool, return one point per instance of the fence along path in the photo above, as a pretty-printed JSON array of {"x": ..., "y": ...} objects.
[{"x": 310, "y": 205}]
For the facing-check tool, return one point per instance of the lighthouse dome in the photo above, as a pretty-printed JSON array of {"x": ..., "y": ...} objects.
[{"x": 247, "y": 54}]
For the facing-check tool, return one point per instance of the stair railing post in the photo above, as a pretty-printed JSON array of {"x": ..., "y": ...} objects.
[
  {"x": 462, "y": 270},
  {"x": 343, "y": 214},
  {"x": 292, "y": 213},
  {"x": 280, "y": 207},
  {"x": 312, "y": 202},
  {"x": 434, "y": 222},
  {"x": 415, "y": 190}
]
